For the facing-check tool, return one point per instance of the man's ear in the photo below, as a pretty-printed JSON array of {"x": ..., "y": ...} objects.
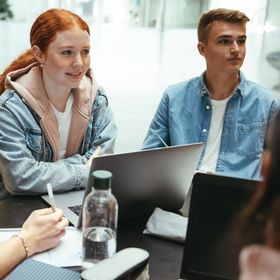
[
  {"x": 266, "y": 164},
  {"x": 201, "y": 48},
  {"x": 40, "y": 57}
]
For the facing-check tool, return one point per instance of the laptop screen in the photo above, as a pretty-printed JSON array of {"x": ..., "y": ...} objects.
[
  {"x": 211, "y": 251},
  {"x": 143, "y": 180}
]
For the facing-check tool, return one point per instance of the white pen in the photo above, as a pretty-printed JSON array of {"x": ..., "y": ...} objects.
[
  {"x": 161, "y": 140},
  {"x": 51, "y": 197}
]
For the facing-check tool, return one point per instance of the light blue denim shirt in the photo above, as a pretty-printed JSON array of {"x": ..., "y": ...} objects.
[
  {"x": 184, "y": 115},
  {"x": 26, "y": 157}
]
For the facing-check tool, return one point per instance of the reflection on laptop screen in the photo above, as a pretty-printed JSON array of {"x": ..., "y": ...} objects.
[
  {"x": 152, "y": 178},
  {"x": 211, "y": 251}
]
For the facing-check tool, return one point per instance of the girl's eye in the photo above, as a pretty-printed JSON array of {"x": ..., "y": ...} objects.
[
  {"x": 67, "y": 52},
  {"x": 85, "y": 51}
]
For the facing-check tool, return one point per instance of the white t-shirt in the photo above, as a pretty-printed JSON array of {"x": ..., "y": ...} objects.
[
  {"x": 212, "y": 148},
  {"x": 64, "y": 121}
]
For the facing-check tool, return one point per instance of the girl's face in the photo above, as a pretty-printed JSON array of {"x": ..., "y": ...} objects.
[{"x": 67, "y": 59}]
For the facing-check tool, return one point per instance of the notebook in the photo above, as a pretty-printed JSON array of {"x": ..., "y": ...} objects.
[
  {"x": 141, "y": 181},
  {"x": 210, "y": 250},
  {"x": 33, "y": 270}
]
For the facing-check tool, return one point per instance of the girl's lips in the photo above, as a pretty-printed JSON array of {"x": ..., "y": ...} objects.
[{"x": 74, "y": 74}]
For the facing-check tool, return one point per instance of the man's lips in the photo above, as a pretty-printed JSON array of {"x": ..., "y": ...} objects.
[{"x": 234, "y": 59}]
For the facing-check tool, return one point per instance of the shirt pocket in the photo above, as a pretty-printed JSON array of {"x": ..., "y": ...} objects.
[
  {"x": 250, "y": 139},
  {"x": 34, "y": 142}
]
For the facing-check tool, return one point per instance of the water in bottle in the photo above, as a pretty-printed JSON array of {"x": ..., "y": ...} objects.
[{"x": 99, "y": 220}]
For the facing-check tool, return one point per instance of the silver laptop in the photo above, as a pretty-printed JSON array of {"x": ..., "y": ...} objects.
[{"x": 141, "y": 181}]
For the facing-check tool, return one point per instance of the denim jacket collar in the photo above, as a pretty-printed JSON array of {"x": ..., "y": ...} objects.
[
  {"x": 29, "y": 84},
  {"x": 240, "y": 89}
]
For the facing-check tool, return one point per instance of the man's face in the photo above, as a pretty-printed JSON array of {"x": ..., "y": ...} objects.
[{"x": 225, "y": 48}]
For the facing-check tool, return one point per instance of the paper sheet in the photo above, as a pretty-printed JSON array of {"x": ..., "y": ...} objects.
[{"x": 67, "y": 253}]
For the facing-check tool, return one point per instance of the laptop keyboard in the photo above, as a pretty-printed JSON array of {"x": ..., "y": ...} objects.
[{"x": 76, "y": 209}]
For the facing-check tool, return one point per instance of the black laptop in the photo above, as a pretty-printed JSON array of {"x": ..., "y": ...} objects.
[{"x": 210, "y": 250}]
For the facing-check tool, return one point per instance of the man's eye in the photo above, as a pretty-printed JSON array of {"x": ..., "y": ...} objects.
[
  {"x": 224, "y": 41},
  {"x": 241, "y": 41}
]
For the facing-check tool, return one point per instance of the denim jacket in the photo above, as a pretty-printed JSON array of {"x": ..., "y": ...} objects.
[
  {"x": 184, "y": 115},
  {"x": 29, "y": 135}
]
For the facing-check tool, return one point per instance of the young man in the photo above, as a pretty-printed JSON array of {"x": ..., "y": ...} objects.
[{"x": 220, "y": 108}]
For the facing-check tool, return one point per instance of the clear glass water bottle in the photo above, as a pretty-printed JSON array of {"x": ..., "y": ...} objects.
[{"x": 100, "y": 216}]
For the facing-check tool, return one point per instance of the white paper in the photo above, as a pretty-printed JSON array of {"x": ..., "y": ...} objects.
[{"x": 67, "y": 253}]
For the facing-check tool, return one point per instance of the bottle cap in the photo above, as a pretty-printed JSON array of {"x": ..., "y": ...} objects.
[{"x": 102, "y": 179}]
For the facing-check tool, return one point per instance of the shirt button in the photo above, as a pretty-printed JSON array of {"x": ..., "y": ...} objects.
[
  {"x": 207, "y": 107},
  {"x": 204, "y": 130}
]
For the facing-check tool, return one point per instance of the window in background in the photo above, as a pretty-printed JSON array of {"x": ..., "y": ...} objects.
[{"x": 270, "y": 60}]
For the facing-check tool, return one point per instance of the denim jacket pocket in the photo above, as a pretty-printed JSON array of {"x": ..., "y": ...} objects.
[
  {"x": 250, "y": 139},
  {"x": 34, "y": 142}
]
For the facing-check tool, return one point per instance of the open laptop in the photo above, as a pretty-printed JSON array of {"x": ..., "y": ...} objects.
[
  {"x": 211, "y": 249},
  {"x": 141, "y": 181}
]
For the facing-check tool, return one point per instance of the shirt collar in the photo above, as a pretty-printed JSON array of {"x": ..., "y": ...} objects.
[
  {"x": 241, "y": 86},
  {"x": 204, "y": 90},
  {"x": 240, "y": 89}
]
